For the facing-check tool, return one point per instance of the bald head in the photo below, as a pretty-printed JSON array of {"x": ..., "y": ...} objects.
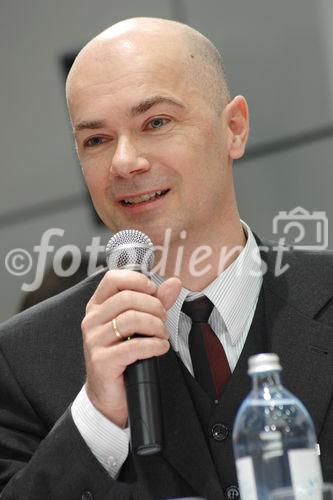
[{"x": 169, "y": 42}]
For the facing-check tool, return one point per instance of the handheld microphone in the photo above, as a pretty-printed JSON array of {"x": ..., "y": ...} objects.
[{"x": 132, "y": 249}]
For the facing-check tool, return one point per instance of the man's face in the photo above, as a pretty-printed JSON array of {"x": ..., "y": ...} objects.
[{"x": 153, "y": 152}]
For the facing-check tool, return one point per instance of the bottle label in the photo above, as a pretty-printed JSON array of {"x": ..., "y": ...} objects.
[
  {"x": 305, "y": 473},
  {"x": 305, "y": 470},
  {"x": 246, "y": 478}
]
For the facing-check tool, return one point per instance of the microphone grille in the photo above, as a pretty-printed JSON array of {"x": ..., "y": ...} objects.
[{"x": 130, "y": 249}]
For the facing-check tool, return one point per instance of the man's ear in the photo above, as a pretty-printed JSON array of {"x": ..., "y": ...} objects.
[{"x": 237, "y": 121}]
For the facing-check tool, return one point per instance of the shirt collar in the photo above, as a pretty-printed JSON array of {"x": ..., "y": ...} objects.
[{"x": 234, "y": 292}]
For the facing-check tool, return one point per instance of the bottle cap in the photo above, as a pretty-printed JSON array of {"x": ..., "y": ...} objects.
[{"x": 263, "y": 363}]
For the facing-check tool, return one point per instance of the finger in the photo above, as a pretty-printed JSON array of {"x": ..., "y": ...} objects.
[
  {"x": 101, "y": 336},
  {"x": 118, "y": 357},
  {"x": 123, "y": 301},
  {"x": 130, "y": 323},
  {"x": 169, "y": 291},
  {"x": 121, "y": 279},
  {"x": 127, "y": 324}
]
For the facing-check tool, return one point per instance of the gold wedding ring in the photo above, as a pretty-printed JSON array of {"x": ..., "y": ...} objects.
[{"x": 115, "y": 329}]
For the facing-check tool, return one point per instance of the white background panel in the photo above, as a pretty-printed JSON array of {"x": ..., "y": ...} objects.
[
  {"x": 275, "y": 55},
  {"x": 282, "y": 182},
  {"x": 38, "y": 161}
]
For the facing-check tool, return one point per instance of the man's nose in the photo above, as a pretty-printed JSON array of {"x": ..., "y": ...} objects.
[{"x": 126, "y": 161}]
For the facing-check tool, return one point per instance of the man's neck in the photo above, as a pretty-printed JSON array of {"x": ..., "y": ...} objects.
[{"x": 200, "y": 258}]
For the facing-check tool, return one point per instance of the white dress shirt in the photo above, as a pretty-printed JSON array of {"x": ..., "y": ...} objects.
[{"x": 234, "y": 294}]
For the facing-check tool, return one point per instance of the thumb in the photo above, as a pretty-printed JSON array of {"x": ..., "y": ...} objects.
[{"x": 169, "y": 291}]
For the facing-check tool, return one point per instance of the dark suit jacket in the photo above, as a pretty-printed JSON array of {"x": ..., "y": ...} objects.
[{"x": 42, "y": 455}]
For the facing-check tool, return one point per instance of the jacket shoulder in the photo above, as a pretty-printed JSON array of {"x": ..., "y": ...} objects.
[{"x": 52, "y": 316}]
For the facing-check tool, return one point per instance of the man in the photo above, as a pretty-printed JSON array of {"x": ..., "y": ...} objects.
[{"x": 156, "y": 133}]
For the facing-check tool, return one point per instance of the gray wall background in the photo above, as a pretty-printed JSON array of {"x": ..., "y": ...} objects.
[{"x": 278, "y": 54}]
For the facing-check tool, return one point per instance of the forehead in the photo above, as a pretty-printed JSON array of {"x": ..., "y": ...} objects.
[{"x": 118, "y": 74}]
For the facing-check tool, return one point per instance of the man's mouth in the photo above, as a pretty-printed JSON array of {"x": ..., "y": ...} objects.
[{"x": 144, "y": 197}]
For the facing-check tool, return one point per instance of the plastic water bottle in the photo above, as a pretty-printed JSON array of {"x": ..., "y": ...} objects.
[{"x": 274, "y": 438}]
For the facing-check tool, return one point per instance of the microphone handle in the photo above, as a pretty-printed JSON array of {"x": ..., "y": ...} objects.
[{"x": 144, "y": 406}]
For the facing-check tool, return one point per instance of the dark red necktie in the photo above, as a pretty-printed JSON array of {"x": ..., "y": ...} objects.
[{"x": 210, "y": 364}]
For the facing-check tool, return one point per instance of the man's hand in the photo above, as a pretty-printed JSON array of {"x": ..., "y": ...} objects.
[{"x": 138, "y": 307}]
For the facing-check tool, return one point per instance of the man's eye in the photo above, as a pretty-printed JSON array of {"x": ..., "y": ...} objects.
[
  {"x": 94, "y": 141},
  {"x": 157, "y": 123}
]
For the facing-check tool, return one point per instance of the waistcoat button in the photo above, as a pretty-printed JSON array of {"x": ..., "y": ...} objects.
[
  {"x": 87, "y": 495},
  {"x": 232, "y": 492},
  {"x": 220, "y": 432}
]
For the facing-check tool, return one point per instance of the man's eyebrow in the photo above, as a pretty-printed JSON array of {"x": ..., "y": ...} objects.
[
  {"x": 139, "y": 109},
  {"x": 89, "y": 124},
  {"x": 145, "y": 105}
]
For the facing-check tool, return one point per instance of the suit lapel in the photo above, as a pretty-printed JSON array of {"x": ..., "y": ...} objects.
[{"x": 304, "y": 344}]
